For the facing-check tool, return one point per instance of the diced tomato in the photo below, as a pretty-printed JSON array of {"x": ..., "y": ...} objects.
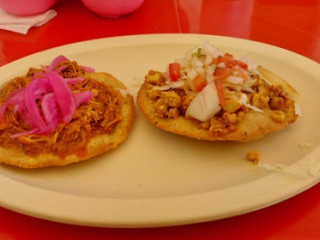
[
  {"x": 240, "y": 64},
  {"x": 222, "y": 73},
  {"x": 216, "y": 61},
  {"x": 228, "y": 56},
  {"x": 229, "y": 61},
  {"x": 220, "y": 91},
  {"x": 199, "y": 82},
  {"x": 174, "y": 71},
  {"x": 243, "y": 108}
]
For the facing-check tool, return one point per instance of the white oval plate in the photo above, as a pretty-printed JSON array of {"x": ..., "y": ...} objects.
[{"x": 159, "y": 179}]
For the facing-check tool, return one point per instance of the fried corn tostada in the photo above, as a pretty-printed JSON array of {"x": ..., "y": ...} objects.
[
  {"x": 211, "y": 95},
  {"x": 61, "y": 114}
]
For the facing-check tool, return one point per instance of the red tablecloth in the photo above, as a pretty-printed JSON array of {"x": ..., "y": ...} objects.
[{"x": 290, "y": 24}]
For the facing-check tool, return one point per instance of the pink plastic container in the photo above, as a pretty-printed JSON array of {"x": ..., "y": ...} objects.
[
  {"x": 112, "y": 8},
  {"x": 26, "y": 7}
]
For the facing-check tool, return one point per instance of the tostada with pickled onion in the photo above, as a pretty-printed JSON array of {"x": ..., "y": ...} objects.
[
  {"x": 211, "y": 95},
  {"x": 62, "y": 113}
]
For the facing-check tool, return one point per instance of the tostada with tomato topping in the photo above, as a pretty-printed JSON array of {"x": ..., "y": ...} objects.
[
  {"x": 211, "y": 95},
  {"x": 62, "y": 113}
]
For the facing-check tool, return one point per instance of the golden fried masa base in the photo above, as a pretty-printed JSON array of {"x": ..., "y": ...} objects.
[
  {"x": 97, "y": 145},
  {"x": 254, "y": 125}
]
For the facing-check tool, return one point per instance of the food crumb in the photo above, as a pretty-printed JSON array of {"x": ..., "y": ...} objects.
[
  {"x": 305, "y": 144},
  {"x": 136, "y": 82},
  {"x": 254, "y": 156}
]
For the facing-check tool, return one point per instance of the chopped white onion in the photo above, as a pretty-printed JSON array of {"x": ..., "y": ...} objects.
[
  {"x": 297, "y": 110},
  {"x": 235, "y": 79},
  {"x": 209, "y": 49},
  {"x": 210, "y": 72},
  {"x": 244, "y": 101},
  {"x": 196, "y": 63},
  {"x": 191, "y": 74},
  {"x": 222, "y": 65},
  {"x": 124, "y": 92},
  {"x": 208, "y": 60},
  {"x": 205, "y": 104},
  {"x": 240, "y": 69},
  {"x": 252, "y": 64},
  {"x": 201, "y": 70}
]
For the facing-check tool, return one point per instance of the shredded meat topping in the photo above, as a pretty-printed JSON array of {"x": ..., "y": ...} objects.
[{"x": 99, "y": 115}]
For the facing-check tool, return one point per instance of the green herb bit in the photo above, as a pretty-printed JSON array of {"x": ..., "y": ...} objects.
[{"x": 198, "y": 54}]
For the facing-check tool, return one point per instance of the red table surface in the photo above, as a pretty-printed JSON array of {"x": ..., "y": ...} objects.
[{"x": 290, "y": 24}]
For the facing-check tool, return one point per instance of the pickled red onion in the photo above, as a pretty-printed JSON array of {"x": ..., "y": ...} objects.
[
  {"x": 3, "y": 108},
  {"x": 34, "y": 117},
  {"x": 82, "y": 97},
  {"x": 50, "y": 111},
  {"x": 61, "y": 58},
  {"x": 56, "y": 61},
  {"x": 15, "y": 97},
  {"x": 24, "y": 133},
  {"x": 57, "y": 101},
  {"x": 88, "y": 69},
  {"x": 63, "y": 94},
  {"x": 42, "y": 86},
  {"x": 74, "y": 80}
]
